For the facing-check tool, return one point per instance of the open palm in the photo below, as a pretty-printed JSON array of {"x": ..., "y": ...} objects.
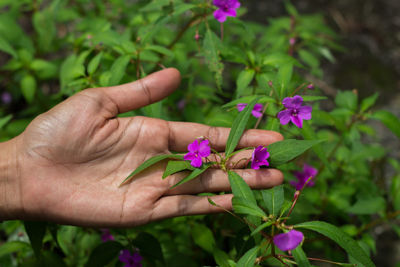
[{"x": 73, "y": 158}]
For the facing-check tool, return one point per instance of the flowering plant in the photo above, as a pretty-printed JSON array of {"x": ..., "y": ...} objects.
[{"x": 236, "y": 74}]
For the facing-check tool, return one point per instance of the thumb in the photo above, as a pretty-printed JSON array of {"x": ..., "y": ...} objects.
[{"x": 143, "y": 92}]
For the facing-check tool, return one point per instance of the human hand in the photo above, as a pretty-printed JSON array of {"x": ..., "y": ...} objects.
[{"x": 72, "y": 159}]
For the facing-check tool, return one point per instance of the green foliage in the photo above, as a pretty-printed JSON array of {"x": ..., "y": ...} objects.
[
  {"x": 286, "y": 150},
  {"x": 151, "y": 161},
  {"x": 342, "y": 239},
  {"x": 238, "y": 127},
  {"x": 104, "y": 253},
  {"x": 74, "y": 45},
  {"x": 273, "y": 199}
]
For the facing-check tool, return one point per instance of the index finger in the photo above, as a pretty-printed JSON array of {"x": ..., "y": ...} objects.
[{"x": 181, "y": 134}]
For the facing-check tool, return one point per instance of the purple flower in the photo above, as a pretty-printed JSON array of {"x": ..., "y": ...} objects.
[
  {"x": 6, "y": 98},
  {"x": 130, "y": 260},
  {"x": 292, "y": 41},
  {"x": 197, "y": 151},
  {"x": 310, "y": 86},
  {"x": 106, "y": 235},
  {"x": 289, "y": 240},
  {"x": 259, "y": 157},
  {"x": 302, "y": 177},
  {"x": 294, "y": 111},
  {"x": 181, "y": 104},
  {"x": 225, "y": 8},
  {"x": 257, "y": 110}
]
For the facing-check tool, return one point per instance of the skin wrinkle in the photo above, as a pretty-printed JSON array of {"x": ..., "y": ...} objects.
[
  {"x": 213, "y": 134},
  {"x": 182, "y": 205},
  {"x": 145, "y": 90},
  {"x": 123, "y": 203},
  {"x": 171, "y": 136}
]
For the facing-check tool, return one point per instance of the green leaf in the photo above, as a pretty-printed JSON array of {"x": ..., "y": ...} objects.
[
  {"x": 221, "y": 258},
  {"x": 104, "y": 253},
  {"x": 6, "y": 47},
  {"x": 238, "y": 127},
  {"x": 160, "y": 49},
  {"x": 368, "y": 102},
  {"x": 12, "y": 247},
  {"x": 313, "y": 98},
  {"x": 310, "y": 134},
  {"x": 286, "y": 150},
  {"x": 149, "y": 246},
  {"x": 388, "y": 119},
  {"x": 28, "y": 87},
  {"x": 151, "y": 161},
  {"x": 341, "y": 238},
  {"x": 94, "y": 63},
  {"x": 180, "y": 8},
  {"x": 244, "y": 79},
  {"x": 274, "y": 199},
  {"x": 240, "y": 188},
  {"x": 36, "y": 232},
  {"x": 211, "y": 46},
  {"x": 44, "y": 69},
  {"x": 308, "y": 58},
  {"x": 326, "y": 53},
  {"x": 261, "y": 227},
  {"x": 174, "y": 166},
  {"x": 284, "y": 76},
  {"x": 278, "y": 59},
  {"x": 248, "y": 259},
  {"x": 203, "y": 237},
  {"x": 5, "y": 120},
  {"x": 300, "y": 257},
  {"x": 370, "y": 205},
  {"x": 196, "y": 172},
  {"x": 395, "y": 191},
  {"x": 346, "y": 99},
  {"x": 118, "y": 69},
  {"x": 242, "y": 206},
  {"x": 70, "y": 69}
]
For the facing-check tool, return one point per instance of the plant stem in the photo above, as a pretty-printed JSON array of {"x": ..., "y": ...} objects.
[{"x": 296, "y": 197}]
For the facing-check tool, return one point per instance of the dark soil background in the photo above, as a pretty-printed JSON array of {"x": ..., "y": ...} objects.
[{"x": 370, "y": 32}]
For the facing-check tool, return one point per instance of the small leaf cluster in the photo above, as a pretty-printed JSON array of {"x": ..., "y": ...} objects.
[{"x": 73, "y": 45}]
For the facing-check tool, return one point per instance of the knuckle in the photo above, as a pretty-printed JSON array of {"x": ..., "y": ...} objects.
[
  {"x": 183, "y": 206},
  {"x": 145, "y": 89},
  {"x": 213, "y": 134}
]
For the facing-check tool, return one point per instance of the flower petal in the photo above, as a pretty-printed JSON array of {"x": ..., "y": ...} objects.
[
  {"x": 304, "y": 112},
  {"x": 194, "y": 147},
  {"x": 196, "y": 162},
  {"x": 284, "y": 116},
  {"x": 309, "y": 170},
  {"x": 125, "y": 256},
  {"x": 297, "y": 121},
  {"x": 293, "y": 183},
  {"x": 261, "y": 154},
  {"x": 241, "y": 106},
  {"x": 231, "y": 12},
  {"x": 204, "y": 149},
  {"x": 292, "y": 102},
  {"x": 255, "y": 165},
  {"x": 289, "y": 240},
  {"x": 189, "y": 156},
  {"x": 220, "y": 15},
  {"x": 257, "y": 110},
  {"x": 234, "y": 3}
]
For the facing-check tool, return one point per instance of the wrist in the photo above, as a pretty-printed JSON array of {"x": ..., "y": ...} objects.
[{"x": 10, "y": 195}]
